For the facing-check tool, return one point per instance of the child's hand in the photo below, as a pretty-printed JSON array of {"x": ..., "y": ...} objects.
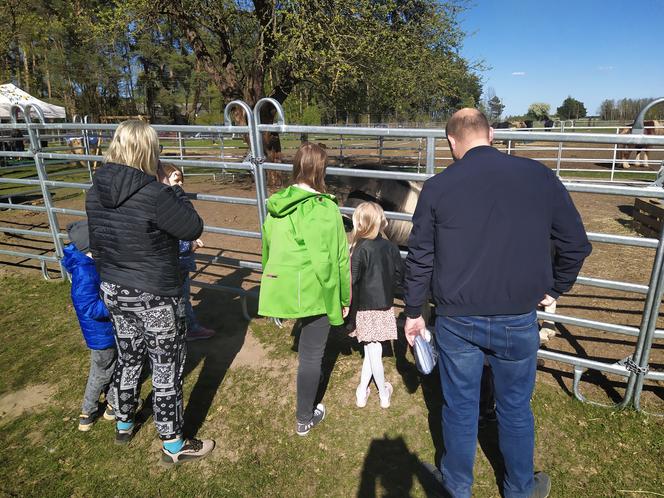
[{"x": 196, "y": 244}]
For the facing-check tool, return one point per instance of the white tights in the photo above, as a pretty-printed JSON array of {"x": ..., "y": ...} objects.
[{"x": 372, "y": 366}]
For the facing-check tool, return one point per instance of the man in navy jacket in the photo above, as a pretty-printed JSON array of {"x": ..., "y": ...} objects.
[{"x": 481, "y": 245}]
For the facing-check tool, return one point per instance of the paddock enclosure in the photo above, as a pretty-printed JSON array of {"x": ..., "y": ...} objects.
[{"x": 609, "y": 348}]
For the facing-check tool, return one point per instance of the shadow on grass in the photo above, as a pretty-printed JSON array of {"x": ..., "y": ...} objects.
[
  {"x": 222, "y": 312},
  {"x": 392, "y": 466}
]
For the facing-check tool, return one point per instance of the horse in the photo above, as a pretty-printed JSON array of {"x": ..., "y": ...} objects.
[
  {"x": 503, "y": 125},
  {"x": 77, "y": 146},
  {"x": 392, "y": 195},
  {"x": 651, "y": 127}
]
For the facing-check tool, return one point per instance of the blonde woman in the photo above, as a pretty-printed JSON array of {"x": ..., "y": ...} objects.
[
  {"x": 135, "y": 223},
  {"x": 377, "y": 270},
  {"x": 306, "y": 272}
]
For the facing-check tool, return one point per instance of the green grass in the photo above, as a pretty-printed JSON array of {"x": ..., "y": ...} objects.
[{"x": 248, "y": 409}]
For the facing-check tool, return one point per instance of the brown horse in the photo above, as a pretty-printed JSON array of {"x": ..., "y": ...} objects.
[
  {"x": 77, "y": 146},
  {"x": 651, "y": 127}
]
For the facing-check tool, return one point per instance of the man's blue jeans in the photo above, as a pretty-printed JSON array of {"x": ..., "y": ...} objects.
[{"x": 510, "y": 343}]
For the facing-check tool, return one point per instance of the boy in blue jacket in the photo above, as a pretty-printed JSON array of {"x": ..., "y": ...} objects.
[{"x": 95, "y": 324}]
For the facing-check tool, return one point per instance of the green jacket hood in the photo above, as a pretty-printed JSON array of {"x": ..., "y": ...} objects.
[{"x": 285, "y": 201}]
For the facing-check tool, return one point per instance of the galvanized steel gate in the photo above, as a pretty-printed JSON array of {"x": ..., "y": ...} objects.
[{"x": 634, "y": 368}]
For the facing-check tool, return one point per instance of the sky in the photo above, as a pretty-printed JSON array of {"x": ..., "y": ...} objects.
[{"x": 544, "y": 50}]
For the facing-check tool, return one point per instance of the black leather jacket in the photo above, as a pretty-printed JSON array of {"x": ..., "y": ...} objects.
[{"x": 377, "y": 272}]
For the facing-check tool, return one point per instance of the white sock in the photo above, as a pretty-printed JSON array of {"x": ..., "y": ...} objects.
[
  {"x": 365, "y": 378},
  {"x": 375, "y": 353}
]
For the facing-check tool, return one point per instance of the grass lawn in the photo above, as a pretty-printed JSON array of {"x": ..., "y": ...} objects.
[{"x": 239, "y": 389}]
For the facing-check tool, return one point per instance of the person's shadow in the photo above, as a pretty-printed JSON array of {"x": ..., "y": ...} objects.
[
  {"x": 390, "y": 464},
  {"x": 222, "y": 312}
]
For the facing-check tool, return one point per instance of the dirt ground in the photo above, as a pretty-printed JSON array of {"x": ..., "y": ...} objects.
[{"x": 600, "y": 213}]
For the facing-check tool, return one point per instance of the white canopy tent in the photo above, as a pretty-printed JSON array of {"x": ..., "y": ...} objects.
[{"x": 10, "y": 95}]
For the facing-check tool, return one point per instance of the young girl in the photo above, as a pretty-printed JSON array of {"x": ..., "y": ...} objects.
[
  {"x": 306, "y": 272},
  {"x": 172, "y": 175},
  {"x": 377, "y": 269}
]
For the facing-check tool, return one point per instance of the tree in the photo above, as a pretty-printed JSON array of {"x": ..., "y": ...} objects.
[
  {"x": 539, "y": 111},
  {"x": 361, "y": 55},
  {"x": 172, "y": 59},
  {"x": 571, "y": 109},
  {"x": 494, "y": 105}
]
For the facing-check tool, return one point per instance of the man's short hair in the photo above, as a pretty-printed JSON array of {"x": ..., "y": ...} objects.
[{"x": 469, "y": 122}]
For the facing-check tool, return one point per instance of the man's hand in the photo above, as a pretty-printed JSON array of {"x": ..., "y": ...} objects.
[
  {"x": 344, "y": 311},
  {"x": 413, "y": 328},
  {"x": 547, "y": 301}
]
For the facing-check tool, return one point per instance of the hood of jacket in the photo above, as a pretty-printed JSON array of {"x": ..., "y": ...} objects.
[
  {"x": 73, "y": 258},
  {"x": 116, "y": 183},
  {"x": 286, "y": 201}
]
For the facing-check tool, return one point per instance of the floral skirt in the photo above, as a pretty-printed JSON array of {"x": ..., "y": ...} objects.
[{"x": 375, "y": 325}]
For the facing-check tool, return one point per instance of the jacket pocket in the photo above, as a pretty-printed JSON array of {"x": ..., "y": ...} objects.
[{"x": 281, "y": 291}]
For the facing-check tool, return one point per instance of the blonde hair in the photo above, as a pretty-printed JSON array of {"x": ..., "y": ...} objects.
[
  {"x": 135, "y": 144},
  {"x": 368, "y": 221},
  {"x": 309, "y": 166}
]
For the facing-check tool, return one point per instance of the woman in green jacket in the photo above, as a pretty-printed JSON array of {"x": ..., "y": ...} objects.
[{"x": 306, "y": 271}]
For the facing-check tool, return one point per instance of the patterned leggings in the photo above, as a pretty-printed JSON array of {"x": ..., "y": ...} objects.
[{"x": 153, "y": 326}]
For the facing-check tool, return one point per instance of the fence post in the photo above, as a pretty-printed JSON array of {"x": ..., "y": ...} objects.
[
  {"x": 381, "y": 139},
  {"x": 643, "y": 364},
  {"x": 509, "y": 147},
  {"x": 341, "y": 148},
  {"x": 35, "y": 148},
  {"x": 615, "y": 154},
  {"x": 560, "y": 150},
  {"x": 419, "y": 153},
  {"x": 646, "y": 329},
  {"x": 431, "y": 155},
  {"x": 255, "y": 153},
  {"x": 181, "y": 151}
]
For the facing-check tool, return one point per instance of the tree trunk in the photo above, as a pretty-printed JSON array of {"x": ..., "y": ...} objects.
[
  {"x": 48, "y": 82},
  {"x": 26, "y": 69}
]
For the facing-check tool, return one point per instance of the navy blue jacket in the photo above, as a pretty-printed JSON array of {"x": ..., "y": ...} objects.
[
  {"x": 186, "y": 258},
  {"x": 90, "y": 309},
  {"x": 482, "y": 235}
]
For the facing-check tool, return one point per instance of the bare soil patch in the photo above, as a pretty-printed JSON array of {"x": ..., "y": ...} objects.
[{"x": 13, "y": 405}]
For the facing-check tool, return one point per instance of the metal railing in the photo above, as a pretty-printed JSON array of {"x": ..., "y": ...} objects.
[{"x": 634, "y": 369}]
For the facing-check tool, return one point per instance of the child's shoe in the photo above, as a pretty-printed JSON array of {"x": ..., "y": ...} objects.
[
  {"x": 191, "y": 450},
  {"x": 303, "y": 428},
  {"x": 85, "y": 422},
  {"x": 109, "y": 412},
  {"x": 124, "y": 436},
  {"x": 361, "y": 397},
  {"x": 199, "y": 333},
  {"x": 385, "y": 400}
]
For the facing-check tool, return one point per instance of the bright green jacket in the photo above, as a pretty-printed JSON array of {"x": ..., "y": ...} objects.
[{"x": 306, "y": 270}]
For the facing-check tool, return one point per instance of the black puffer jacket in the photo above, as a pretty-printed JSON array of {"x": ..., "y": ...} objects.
[
  {"x": 135, "y": 223},
  {"x": 377, "y": 272}
]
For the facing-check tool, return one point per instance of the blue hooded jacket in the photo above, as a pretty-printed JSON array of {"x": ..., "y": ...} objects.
[
  {"x": 187, "y": 261},
  {"x": 90, "y": 309}
]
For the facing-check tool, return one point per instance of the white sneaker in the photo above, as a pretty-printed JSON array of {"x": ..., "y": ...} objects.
[
  {"x": 361, "y": 397},
  {"x": 385, "y": 400}
]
